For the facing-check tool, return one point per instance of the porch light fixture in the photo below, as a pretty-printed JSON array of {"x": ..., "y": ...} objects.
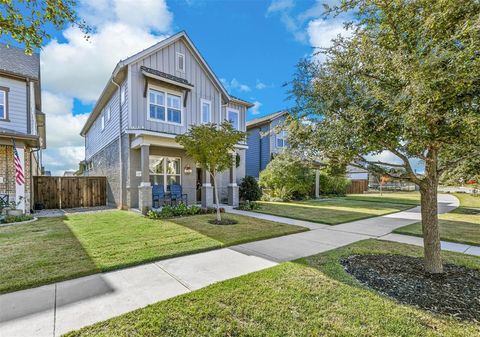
[{"x": 187, "y": 170}]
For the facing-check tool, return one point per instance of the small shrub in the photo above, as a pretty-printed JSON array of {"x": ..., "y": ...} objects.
[
  {"x": 333, "y": 185},
  {"x": 286, "y": 177},
  {"x": 249, "y": 205},
  {"x": 17, "y": 218},
  {"x": 168, "y": 211},
  {"x": 249, "y": 189}
]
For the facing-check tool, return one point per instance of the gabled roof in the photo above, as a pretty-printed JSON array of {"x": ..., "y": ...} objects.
[
  {"x": 14, "y": 61},
  {"x": 146, "y": 52},
  {"x": 266, "y": 119}
]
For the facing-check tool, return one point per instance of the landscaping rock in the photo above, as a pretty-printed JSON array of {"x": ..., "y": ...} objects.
[{"x": 456, "y": 292}]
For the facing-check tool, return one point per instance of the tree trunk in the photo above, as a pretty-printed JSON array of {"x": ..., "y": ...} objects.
[
  {"x": 431, "y": 234},
  {"x": 219, "y": 216}
]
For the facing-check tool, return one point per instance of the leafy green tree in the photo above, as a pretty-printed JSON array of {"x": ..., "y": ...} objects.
[
  {"x": 287, "y": 177},
  {"x": 407, "y": 81},
  {"x": 465, "y": 171},
  {"x": 211, "y": 146},
  {"x": 28, "y": 21}
]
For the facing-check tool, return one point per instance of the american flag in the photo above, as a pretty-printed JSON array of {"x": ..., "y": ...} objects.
[{"x": 19, "y": 176}]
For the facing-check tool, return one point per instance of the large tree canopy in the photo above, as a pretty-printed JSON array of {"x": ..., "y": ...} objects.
[
  {"x": 407, "y": 81},
  {"x": 28, "y": 22}
]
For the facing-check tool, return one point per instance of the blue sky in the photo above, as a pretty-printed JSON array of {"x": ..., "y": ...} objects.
[{"x": 252, "y": 46}]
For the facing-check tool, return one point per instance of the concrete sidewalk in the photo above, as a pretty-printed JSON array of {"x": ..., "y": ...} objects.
[{"x": 55, "y": 309}]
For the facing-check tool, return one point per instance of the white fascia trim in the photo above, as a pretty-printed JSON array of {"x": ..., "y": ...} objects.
[{"x": 140, "y": 132}]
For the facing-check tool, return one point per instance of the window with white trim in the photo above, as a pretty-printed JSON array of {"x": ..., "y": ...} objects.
[
  {"x": 233, "y": 118},
  {"x": 156, "y": 100},
  {"x": 103, "y": 122},
  {"x": 180, "y": 61},
  {"x": 123, "y": 93},
  {"x": 164, "y": 107},
  {"x": 206, "y": 110},
  {"x": 281, "y": 139},
  {"x": 3, "y": 104},
  {"x": 109, "y": 112},
  {"x": 165, "y": 171},
  {"x": 174, "y": 109}
]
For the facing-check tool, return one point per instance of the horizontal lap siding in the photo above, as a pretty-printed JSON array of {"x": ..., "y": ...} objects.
[
  {"x": 164, "y": 60},
  {"x": 96, "y": 139},
  {"x": 253, "y": 152},
  {"x": 17, "y": 104}
]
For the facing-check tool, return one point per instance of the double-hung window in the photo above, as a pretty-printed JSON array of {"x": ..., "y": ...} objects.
[
  {"x": 174, "y": 109},
  {"x": 281, "y": 139},
  {"x": 156, "y": 104},
  {"x": 3, "y": 103},
  {"x": 165, "y": 171},
  {"x": 206, "y": 109},
  {"x": 232, "y": 116},
  {"x": 164, "y": 107}
]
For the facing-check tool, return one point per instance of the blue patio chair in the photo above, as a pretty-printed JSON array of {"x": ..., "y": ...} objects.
[
  {"x": 177, "y": 195},
  {"x": 158, "y": 194}
]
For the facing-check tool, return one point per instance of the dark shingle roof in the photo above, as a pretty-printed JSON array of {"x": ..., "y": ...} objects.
[
  {"x": 14, "y": 61},
  {"x": 265, "y": 119}
]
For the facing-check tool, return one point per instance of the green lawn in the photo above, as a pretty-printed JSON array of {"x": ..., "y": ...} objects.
[
  {"x": 409, "y": 198},
  {"x": 55, "y": 249},
  {"x": 462, "y": 225},
  {"x": 312, "y": 297},
  {"x": 330, "y": 211},
  {"x": 247, "y": 229},
  {"x": 468, "y": 200}
]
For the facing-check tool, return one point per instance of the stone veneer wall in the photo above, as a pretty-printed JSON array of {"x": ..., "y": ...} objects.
[{"x": 106, "y": 163}]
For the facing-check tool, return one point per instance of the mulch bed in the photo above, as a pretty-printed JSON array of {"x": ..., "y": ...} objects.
[
  {"x": 224, "y": 222},
  {"x": 456, "y": 292}
]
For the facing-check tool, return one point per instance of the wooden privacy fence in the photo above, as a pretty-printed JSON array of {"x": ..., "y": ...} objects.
[
  {"x": 357, "y": 187},
  {"x": 69, "y": 192}
]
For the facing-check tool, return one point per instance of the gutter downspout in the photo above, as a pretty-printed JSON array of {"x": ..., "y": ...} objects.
[{"x": 120, "y": 139}]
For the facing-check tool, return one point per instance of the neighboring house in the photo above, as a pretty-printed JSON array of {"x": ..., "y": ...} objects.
[
  {"x": 263, "y": 141},
  {"x": 69, "y": 173},
  {"x": 21, "y": 121},
  {"x": 150, "y": 98},
  {"x": 356, "y": 173}
]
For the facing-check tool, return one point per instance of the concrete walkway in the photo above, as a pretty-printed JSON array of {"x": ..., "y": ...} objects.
[{"x": 55, "y": 309}]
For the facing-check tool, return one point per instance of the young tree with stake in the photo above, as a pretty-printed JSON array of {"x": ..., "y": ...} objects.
[
  {"x": 406, "y": 81},
  {"x": 212, "y": 146}
]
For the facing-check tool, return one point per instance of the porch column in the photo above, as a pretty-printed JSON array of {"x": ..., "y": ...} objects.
[
  {"x": 233, "y": 198},
  {"x": 145, "y": 188},
  {"x": 317, "y": 184},
  {"x": 207, "y": 190}
]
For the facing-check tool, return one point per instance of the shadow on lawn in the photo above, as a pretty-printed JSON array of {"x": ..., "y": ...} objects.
[{"x": 39, "y": 254}]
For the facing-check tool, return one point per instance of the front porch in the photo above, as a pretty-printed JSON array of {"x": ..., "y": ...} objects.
[{"x": 162, "y": 162}]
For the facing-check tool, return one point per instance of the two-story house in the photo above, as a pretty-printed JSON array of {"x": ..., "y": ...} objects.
[
  {"x": 21, "y": 122},
  {"x": 150, "y": 98},
  {"x": 264, "y": 141}
]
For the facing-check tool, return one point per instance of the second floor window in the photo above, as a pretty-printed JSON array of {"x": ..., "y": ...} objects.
[
  {"x": 281, "y": 139},
  {"x": 123, "y": 93},
  {"x": 233, "y": 118},
  {"x": 103, "y": 122},
  {"x": 164, "y": 107},
  {"x": 206, "y": 107},
  {"x": 109, "y": 113},
  {"x": 3, "y": 104}
]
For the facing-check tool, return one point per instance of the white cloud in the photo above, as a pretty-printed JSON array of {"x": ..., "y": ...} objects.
[
  {"x": 280, "y": 5},
  {"x": 234, "y": 84},
  {"x": 309, "y": 26},
  {"x": 256, "y": 108},
  {"x": 79, "y": 69},
  {"x": 260, "y": 85}
]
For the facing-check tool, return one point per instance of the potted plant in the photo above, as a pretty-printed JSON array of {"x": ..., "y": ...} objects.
[{"x": 13, "y": 207}]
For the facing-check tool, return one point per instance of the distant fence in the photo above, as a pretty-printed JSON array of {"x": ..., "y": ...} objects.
[
  {"x": 69, "y": 192},
  {"x": 357, "y": 187}
]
